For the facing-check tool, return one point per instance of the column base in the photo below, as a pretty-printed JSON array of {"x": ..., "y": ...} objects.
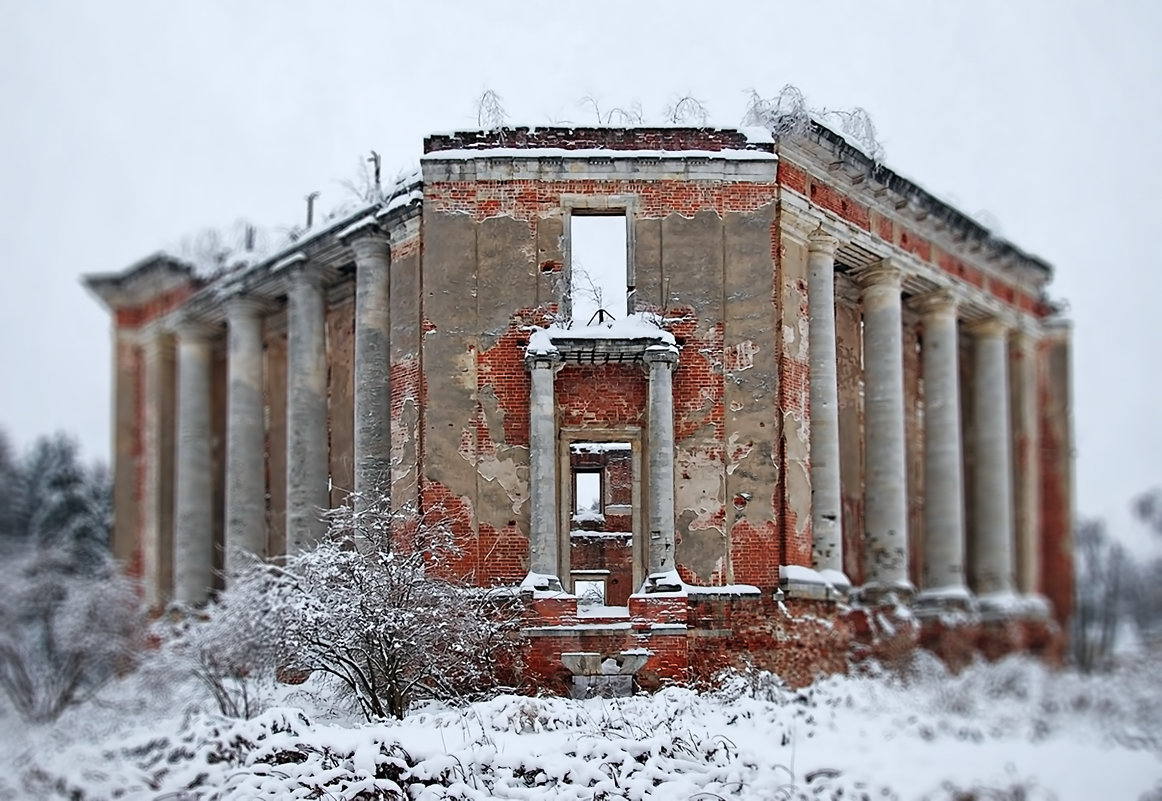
[
  {"x": 897, "y": 593},
  {"x": 796, "y": 581},
  {"x": 666, "y": 581},
  {"x": 945, "y": 601},
  {"x": 542, "y": 582},
  {"x": 1010, "y": 605}
]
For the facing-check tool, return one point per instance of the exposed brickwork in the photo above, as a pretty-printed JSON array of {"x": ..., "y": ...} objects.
[
  {"x": 834, "y": 201},
  {"x": 620, "y": 402},
  {"x": 529, "y": 200},
  {"x": 608, "y": 138},
  {"x": 1057, "y": 578},
  {"x": 135, "y": 316}
]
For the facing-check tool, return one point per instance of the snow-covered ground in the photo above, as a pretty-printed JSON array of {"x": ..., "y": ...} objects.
[{"x": 1007, "y": 731}]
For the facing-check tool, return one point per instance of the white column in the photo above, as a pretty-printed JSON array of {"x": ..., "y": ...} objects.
[
  {"x": 194, "y": 533},
  {"x": 544, "y": 543},
  {"x": 307, "y": 469},
  {"x": 885, "y": 479},
  {"x": 245, "y": 529},
  {"x": 826, "y": 502},
  {"x": 372, "y": 366},
  {"x": 661, "y": 361},
  {"x": 1027, "y": 476},
  {"x": 993, "y": 471},
  {"x": 943, "y": 460}
]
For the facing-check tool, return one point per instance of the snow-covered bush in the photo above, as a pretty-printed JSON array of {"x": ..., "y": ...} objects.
[
  {"x": 374, "y": 618},
  {"x": 64, "y": 631}
]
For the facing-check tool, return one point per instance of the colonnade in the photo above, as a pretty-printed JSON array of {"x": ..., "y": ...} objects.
[
  {"x": 307, "y": 473},
  {"x": 995, "y": 511}
]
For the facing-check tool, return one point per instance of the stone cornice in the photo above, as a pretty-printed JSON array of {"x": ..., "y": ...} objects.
[
  {"x": 141, "y": 282},
  {"x": 193, "y": 329},
  {"x": 990, "y": 327},
  {"x": 887, "y": 273},
  {"x": 819, "y": 241},
  {"x": 878, "y": 185}
]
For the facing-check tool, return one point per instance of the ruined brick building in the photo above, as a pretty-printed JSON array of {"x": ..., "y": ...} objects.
[{"x": 814, "y": 392}]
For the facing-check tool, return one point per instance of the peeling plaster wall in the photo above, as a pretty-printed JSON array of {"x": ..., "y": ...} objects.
[
  {"x": 794, "y": 401},
  {"x": 494, "y": 263},
  {"x": 406, "y": 385}
]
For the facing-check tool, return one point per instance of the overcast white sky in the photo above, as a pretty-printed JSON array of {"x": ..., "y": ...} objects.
[{"x": 128, "y": 125}]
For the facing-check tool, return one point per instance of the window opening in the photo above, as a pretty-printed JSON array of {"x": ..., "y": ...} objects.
[
  {"x": 590, "y": 592},
  {"x": 599, "y": 287},
  {"x": 588, "y": 502}
]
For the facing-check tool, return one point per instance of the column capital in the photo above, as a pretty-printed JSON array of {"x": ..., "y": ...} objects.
[
  {"x": 989, "y": 327},
  {"x": 306, "y": 273},
  {"x": 661, "y": 354},
  {"x": 245, "y": 305},
  {"x": 191, "y": 329},
  {"x": 544, "y": 360},
  {"x": 936, "y": 302},
  {"x": 819, "y": 241},
  {"x": 885, "y": 273},
  {"x": 367, "y": 228},
  {"x": 369, "y": 244}
]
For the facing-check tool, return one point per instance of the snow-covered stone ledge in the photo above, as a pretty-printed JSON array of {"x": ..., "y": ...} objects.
[{"x": 625, "y": 340}]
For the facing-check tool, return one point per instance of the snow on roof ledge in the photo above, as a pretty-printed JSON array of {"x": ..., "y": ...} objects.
[{"x": 465, "y": 154}]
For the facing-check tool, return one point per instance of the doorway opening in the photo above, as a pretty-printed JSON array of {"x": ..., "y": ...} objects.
[{"x": 603, "y": 491}]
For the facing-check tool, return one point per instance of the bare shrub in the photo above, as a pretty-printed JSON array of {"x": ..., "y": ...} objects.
[
  {"x": 64, "y": 632},
  {"x": 375, "y": 619}
]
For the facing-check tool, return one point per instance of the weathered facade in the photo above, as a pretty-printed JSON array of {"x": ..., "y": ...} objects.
[{"x": 825, "y": 398}]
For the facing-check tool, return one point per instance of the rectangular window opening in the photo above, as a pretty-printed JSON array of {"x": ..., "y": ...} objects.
[
  {"x": 599, "y": 283},
  {"x": 587, "y": 494}
]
